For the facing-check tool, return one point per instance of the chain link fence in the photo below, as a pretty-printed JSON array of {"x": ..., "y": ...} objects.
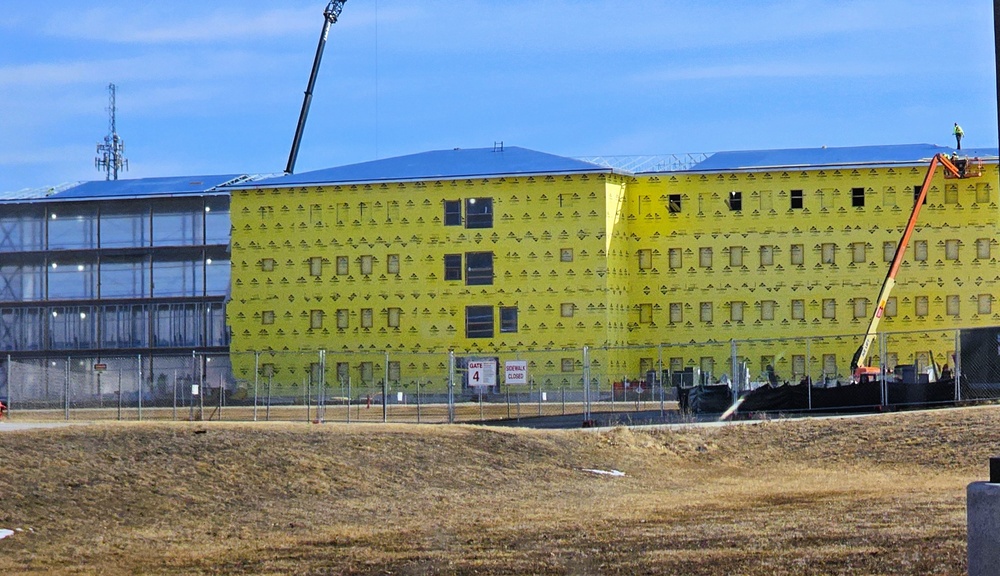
[{"x": 650, "y": 382}]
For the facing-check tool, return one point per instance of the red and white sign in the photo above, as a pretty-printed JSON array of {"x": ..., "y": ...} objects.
[
  {"x": 483, "y": 373},
  {"x": 515, "y": 372}
]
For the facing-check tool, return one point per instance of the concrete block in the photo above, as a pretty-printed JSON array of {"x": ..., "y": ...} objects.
[{"x": 983, "y": 506}]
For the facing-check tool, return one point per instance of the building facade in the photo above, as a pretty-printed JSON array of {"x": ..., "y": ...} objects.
[
  {"x": 485, "y": 252},
  {"x": 117, "y": 273},
  {"x": 490, "y": 253},
  {"x": 795, "y": 244}
]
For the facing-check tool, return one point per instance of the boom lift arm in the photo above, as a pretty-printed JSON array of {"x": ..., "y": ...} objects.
[
  {"x": 859, "y": 362},
  {"x": 330, "y": 16}
]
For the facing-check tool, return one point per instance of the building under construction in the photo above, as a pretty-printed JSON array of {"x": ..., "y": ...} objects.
[{"x": 590, "y": 273}]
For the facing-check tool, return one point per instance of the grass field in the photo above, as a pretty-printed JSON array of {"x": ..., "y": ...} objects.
[{"x": 874, "y": 495}]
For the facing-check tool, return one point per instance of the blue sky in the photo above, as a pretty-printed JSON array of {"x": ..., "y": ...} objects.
[{"x": 215, "y": 87}]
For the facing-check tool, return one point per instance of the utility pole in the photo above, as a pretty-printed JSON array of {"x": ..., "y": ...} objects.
[
  {"x": 111, "y": 154},
  {"x": 330, "y": 16}
]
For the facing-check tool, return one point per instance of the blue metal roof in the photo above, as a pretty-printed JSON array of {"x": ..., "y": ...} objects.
[
  {"x": 442, "y": 164},
  {"x": 846, "y": 156},
  {"x": 142, "y": 187}
]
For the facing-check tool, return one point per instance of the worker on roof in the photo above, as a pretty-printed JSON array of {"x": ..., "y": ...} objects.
[{"x": 958, "y": 132}]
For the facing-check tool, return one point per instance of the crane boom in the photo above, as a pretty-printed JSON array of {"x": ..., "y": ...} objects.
[
  {"x": 330, "y": 16},
  {"x": 859, "y": 361}
]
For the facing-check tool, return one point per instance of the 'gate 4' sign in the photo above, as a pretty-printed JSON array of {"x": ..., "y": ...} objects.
[{"x": 483, "y": 373}]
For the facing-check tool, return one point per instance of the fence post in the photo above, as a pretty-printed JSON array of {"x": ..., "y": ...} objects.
[
  {"x": 883, "y": 343},
  {"x": 222, "y": 394},
  {"x": 194, "y": 382},
  {"x": 809, "y": 390},
  {"x": 175, "y": 393},
  {"x": 586, "y": 384},
  {"x": 120, "y": 393},
  {"x": 956, "y": 371},
  {"x": 140, "y": 387},
  {"x": 451, "y": 386},
  {"x": 385, "y": 391},
  {"x": 201, "y": 387},
  {"x": 737, "y": 374},
  {"x": 659, "y": 376},
  {"x": 306, "y": 391},
  {"x": 66, "y": 389},
  {"x": 10, "y": 386},
  {"x": 321, "y": 401},
  {"x": 267, "y": 409},
  {"x": 256, "y": 381}
]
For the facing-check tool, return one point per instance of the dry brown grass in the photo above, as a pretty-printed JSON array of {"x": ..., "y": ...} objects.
[{"x": 882, "y": 494}]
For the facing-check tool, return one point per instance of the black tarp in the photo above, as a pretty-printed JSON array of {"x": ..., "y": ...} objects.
[{"x": 796, "y": 397}]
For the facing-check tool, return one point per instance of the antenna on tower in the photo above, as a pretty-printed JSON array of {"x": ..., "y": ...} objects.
[{"x": 111, "y": 154}]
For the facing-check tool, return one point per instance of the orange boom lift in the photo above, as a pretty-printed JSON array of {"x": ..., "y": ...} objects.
[{"x": 962, "y": 168}]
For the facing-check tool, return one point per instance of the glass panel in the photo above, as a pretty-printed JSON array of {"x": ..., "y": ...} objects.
[
  {"x": 21, "y": 328},
  {"x": 178, "y": 278},
  {"x": 124, "y": 278},
  {"x": 123, "y": 326},
  {"x": 178, "y": 223},
  {"x": 72, "y": 228},
  {"x": 72, "y": 280},
  {"x": 478, "y": 321},
  {"x": 215, "y": 325},
  {"x": 72, "y": 328},
  {"x": 479, "y": 213},
  {"x": 217, "y": 277},
  {"x": 508, "y": 319},
  {"x": 22, "y": 283},
  {"x": 479, "y": 268},
  {"x": 125, "y": 229},
  {"x": 22, "y": 228},
  {"x": 452, "y": 212},
  {"x": 177, "y": 325},
  {"x": 217, "y": 224}
]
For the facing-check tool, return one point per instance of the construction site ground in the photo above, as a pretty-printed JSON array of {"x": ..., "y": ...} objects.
[{"x": 875, "y": 494}]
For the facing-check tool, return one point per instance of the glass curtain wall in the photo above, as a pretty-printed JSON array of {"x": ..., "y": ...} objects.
[{"x": 114, "y": 275}]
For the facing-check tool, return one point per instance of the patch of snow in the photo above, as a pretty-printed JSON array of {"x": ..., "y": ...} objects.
[
  {"x": 604, "y": 472},
  {"x": 5, "y": 533}
]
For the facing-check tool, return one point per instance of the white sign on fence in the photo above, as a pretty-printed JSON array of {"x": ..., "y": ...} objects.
[
  {"x": 516, "y": 372},
  {"x": 483, "y": 373}
]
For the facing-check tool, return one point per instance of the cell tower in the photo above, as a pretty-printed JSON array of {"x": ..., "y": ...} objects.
[{"x": 111, "y": 154}]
